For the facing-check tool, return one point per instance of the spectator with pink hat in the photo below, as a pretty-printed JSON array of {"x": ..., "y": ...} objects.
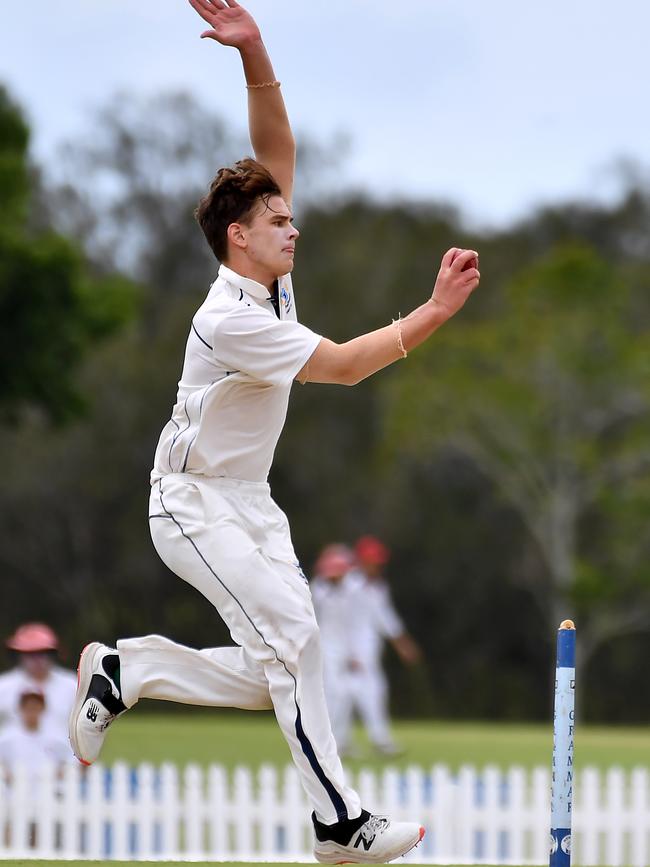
[{"x": 35, "y": 646}]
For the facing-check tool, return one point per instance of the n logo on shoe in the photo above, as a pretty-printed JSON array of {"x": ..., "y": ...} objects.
[
  {"x": 92, "y": 712},
  {"x": 366, "y": 843}
]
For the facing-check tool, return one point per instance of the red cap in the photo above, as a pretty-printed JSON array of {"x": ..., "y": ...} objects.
[
  {"x": 371, "y": 551},
  {"x": 334, "y": 560},
  {"x": 32, "y": 637}
]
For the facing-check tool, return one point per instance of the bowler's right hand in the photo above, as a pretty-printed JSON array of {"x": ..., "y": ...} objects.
[{"x": 457, "y": 279}]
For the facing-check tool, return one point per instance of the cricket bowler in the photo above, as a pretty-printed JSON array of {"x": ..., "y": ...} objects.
[{"x": 213, "y": 521}]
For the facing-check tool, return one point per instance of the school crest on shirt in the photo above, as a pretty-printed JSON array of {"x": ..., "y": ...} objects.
[{"x": 285, "y": 297}]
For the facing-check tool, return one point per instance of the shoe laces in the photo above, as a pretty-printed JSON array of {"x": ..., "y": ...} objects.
[{"x": 375, "y": 825}]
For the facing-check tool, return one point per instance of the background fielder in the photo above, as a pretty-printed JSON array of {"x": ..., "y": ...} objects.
[
  {"x": 378, "y": 623},
  {"x": 356, "y": 617}
]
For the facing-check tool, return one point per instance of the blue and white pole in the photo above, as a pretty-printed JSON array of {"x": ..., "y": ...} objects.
[{"x": 563, "y": 736}]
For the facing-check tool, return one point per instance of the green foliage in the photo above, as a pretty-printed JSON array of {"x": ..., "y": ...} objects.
[
  {"x": 14, "y": 179},
  {"x": 53, "y": 313},
  {"x": 505, "y": 462},
  {"x": 52, "y": 310},
  {"x": 551, "y": 401}
]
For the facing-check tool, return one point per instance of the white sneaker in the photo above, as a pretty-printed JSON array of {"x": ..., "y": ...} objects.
[
  {"x": 98, "y": 700},
  {"x": 377, "y": 841}
]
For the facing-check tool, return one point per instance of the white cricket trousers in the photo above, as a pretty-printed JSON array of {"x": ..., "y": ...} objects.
[
  {"x": 365, "y": 691},
  {"x": 370, "y": 696},
  {"x": 229, "y": 540}
]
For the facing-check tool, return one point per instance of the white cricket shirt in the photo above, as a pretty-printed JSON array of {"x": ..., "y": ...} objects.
[
  {"x": 355, "y": 616},
  {"x": 377, "y": 619},
  {"x": 240, "y": 363},
  {"x": 58, "y": 689},
  {"x": 33, "y": 750},
  {"x": 337, "y": 605}
]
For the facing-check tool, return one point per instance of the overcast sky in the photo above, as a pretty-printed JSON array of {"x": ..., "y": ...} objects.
[{"x": 494, "y": 106}]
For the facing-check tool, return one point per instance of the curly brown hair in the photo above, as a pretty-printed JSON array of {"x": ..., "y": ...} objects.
[{"x": 232, "y": 197}]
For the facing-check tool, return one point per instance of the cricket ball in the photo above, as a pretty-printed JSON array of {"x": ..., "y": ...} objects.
[{"x": 473, "y": 262}]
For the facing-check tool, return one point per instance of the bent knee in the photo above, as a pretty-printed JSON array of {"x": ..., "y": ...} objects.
[{"x": 301, "y": 642}]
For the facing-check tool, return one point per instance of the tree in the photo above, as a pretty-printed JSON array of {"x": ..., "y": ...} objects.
[
  {"x": 551, "y": 402},
  {"x": 130, "y": 189},
  {"x": 52, "y": 310},
  {"x": 469, "y": 575}
]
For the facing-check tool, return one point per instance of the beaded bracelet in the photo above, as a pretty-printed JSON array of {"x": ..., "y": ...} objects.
[
  {"x": 265, "y": 84},
  {"x": 400, "y": 342}
]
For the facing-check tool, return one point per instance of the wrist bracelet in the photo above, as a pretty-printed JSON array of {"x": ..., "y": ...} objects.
[
  {"x": 400, "y": 342},
  {"x": 265, "y": 84}
]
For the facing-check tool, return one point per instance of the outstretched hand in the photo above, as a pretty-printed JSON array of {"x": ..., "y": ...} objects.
[
  {"x": 230, "y": 24},
  {"x": 457, "y": 279}
]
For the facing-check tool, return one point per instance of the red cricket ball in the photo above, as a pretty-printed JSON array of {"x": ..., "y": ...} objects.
[{"x": 472, "y": 263}]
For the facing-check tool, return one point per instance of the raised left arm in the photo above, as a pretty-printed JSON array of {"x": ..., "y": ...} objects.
[{"x": 270, "y": 131}]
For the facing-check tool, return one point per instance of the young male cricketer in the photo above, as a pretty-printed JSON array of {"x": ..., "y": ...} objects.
[{"x": 212, "y": 518}]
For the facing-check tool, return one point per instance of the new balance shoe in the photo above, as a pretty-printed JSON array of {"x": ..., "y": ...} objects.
[
  {"x": 367, "y": 840},
  {"x": 98, "y": 700}
]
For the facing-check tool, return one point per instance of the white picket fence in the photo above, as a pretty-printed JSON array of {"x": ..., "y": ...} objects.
[{"x": 198, "y": 814}]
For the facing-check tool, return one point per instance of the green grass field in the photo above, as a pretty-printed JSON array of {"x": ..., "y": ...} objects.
[{"x": 252, "y": 739}]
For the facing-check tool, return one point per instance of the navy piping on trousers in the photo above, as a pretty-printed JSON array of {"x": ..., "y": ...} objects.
[{"x": 305, "y": 743}]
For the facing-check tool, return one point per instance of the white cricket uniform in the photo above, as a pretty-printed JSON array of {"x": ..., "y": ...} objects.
[
  {"x": 376, "y": 621},
  {"x": 213, "y": 522},
  {"x": 58, "y": 690},
  {"x": 337, "y": 604},
  {"x": 32, "y": 750}
]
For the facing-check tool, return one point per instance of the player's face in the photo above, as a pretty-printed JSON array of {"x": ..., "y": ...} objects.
[
  {"x": 271, "y": 237},
  {"x": 372, "y": 570},
  {"x": 37, "y": 664},
  {"x": 335, "y": 579},
  {"x": 31, "y": 710}
]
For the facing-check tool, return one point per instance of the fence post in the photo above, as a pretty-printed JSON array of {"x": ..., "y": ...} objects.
[
  {"x": 615, "y": 817},
  {"x": 94, "y": 802},
  {"x": 516, "y": 819},
  {"x": 444, "y": 813},
  {"x": 169, "y": 811},
  {"x": 413, "y": 807},
  {"x": 120, "y": 809},
  {"x": 294, "y": 820},
  {"x": 193, "y": 812},
  {"x": 243, "y": 803},
  {"x": 44, "y": 794},
  {"x": 492, "y": 823},
  {"x": 71, "y": 817},
  {"x": 541, "y": 785},
  {"x": 466, "y": 812},
  {"x": 640, "y": 817},
  {"x": 269, "y": 802},
  {"x": 218, "y": 813},
  {"x": 20, "y": 813}
]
